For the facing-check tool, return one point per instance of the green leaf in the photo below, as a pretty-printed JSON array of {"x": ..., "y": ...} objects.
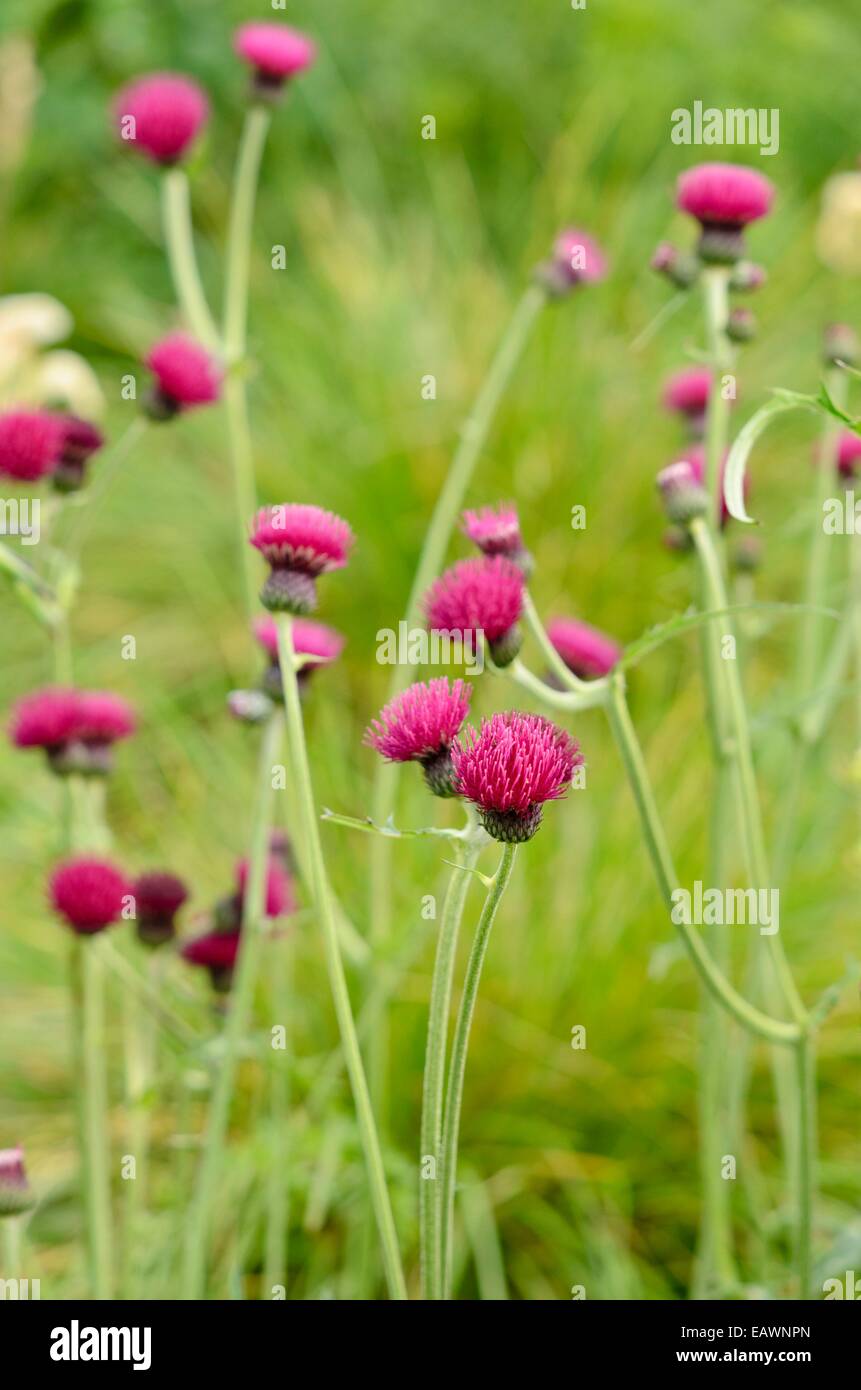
[
  {"x": 693, "y": 618},
  {"x": 736, "y": 465}
]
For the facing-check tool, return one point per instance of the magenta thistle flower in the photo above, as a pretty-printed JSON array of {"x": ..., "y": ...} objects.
[
  {"x": 217, "y": 952},
  {"x": 89, "y": 893},
  {"x": 848, "y": 453},
  {"x": 510, "y": 768},
  {"x": 577, "y": 259},
  {"x": 275, "y": 52},
  {"x": 585, "y": 651},
  {"x": 280, "y": 897},
  {"x": 161, "y": 114},
  {"x": 158, "y": 898},
  {"x": 310, "y": 639},
  {"x": 496, "y": 531},
  {"x": 723, "y": 198},
  {"x": 76, "y": 728},
  {"x": 16, "y": 1194},
  {"x": 299, "y": 543},
  {"x": 484, "y": 595},
  {"x": 31, "y": 442},
  {"x": 186, "y": 375},
  {"x": 682, "y": 486},
  {"x": 419, "y": 725},
  {"x": 687, "y": 392},
  {"x": 81, "y": 440}
]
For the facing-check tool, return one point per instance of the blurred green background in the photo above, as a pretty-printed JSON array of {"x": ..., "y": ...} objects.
[{"x": 405, "y": 257}]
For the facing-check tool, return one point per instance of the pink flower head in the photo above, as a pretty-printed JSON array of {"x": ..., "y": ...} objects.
[
  {"x": 480, "y": 595},
  {"x": 31, "y": 442},
  {"x": 280, "y": 898},
  {"x": 45, "y": 719},
  {"x": 848, "y": 453},
  {"x": 682, "y": 485},
  {"x": 161, "y": 114},
  {"x": 81, "y": 440},
  {"x": 16, "y": 1195},
  {"x": 299, "y": 543},
  {"x": 585, "y": 651},
  {"x": 309, "y": 639},
  {"x": 76, "y": 728},
  {"x": 419, "y": 725},
  {"x": 186, "y": 376},
  {"x": 687, "y": 392},
  {"x": 89, "y": 893},
  {"x": 578, "y": 259},
  {"x": 724, "y": 194},
  {"x": 216, "y": 951},
  {"x": 274, "y": 51},
  {"x": 158, "y": 897},
  {"x": 496, "y": 531},
  {"x": 509, "y": 769}
]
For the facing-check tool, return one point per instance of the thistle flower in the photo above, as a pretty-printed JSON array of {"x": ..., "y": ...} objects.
[
  {"x": 848, "y": 453},
  {"x": 216, "y": 951},
  {"x": 158, "y": 897},
  {"x": 161, "y": 114},
  {"x": 419, "y": 725},
  {"x": 31, "y": 442},
  {"x": 723, "y": 198},
  {"x": 687, "y": 393},
  {"x": 275, "y": 53},
  {"x": 81, "y": 440},
  {"x": 186, "y": 376},
  {"x": 299, "y": 543},
  {"x": 682, "y": 487},
  {"x": 496, "y": 531},
  {"x": 89, "y": 893},
  {"x": 76, "y": 728},
  {"x": 310, "y": 639},
  {"x": 510, "y": 768},
  {"x": 680, "y": 269},
  {"x": 480, "y": 596},
  {"x": 585, "y": 651},
  {"x": 280, "y": 897},
  {"x": 16, "y": 1194},
  {"x": 576, "y": 260}
]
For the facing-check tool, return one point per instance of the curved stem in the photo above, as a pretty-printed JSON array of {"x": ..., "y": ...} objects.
[
  {"x": 337, "y": 978},
  {"x": 242, "y": 992},
  {"x": 252, "y": 140},
  {"x": 562, "y": 672},
  {"x": 433, "y": 1089},
  {"x": 460, "y": 1046},
  {"x": 179, "y": 241},
  {"x": 89, "y": 1022}
]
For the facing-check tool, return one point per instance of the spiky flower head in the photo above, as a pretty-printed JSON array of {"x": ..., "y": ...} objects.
[
  {"x": 31, "y": 442},
  {"x": 496, "y": 531},
  {"x": 89, "y": 893},
  {"x": 585, "y": 651},
  {"x": 510, "y": 768},
  {"x": 76, "y": 728},
  {"x": 300, "y": 543},
  {"x": 482, "y": 595},
  {"x": 16, "y": 1194},
  {"x": 577, "y": 259},
  {"x": 186, "y": 375},
  {"x": 215, "y": 951},
  {"x": 419, "y": 725},
  {"x": 724, "y": 198},
  {"x": 158, "y": 898},
  {"x": 275, "y": 52},
  {"x": 161, "y": 114}
]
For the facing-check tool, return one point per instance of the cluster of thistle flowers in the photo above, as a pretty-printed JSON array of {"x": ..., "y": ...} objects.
[{"x": 77, "y": 731}]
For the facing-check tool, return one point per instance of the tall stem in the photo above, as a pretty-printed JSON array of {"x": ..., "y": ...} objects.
[
  {"x": 433, "y": 1089},
  {"x": 806, "y": 1065},
  {"x": 91, "y": 1050},
  {"x": 816, "y": 581},
  {"x": 459, "y": 1049},
  {"x": 337, "y": 978},
  {"x": 716, "y": 303},
  {"x": 241, "y": 996},
  {"x": 278, "y": 1176},
  {"x": 179, "y": 240}
]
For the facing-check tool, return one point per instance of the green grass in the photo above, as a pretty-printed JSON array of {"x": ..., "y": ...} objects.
[{"x": 404, "y": 257}]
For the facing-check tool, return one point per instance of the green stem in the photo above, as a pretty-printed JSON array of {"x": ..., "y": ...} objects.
[
  {"x": 91, "y": 1049},
  {"x": 241, "y": 996},
  {"x": 244, "y": 483},
  {"x": 252, "y": 141},
  {"x": 433, "y": 1089},
  {"x": 816, "y": 582},
  {"x": 460, "y": 1047},
  {"x": 806, "y": 1082},
  {"x": 716, "y": 302},
  {"x": 179, "y": 240},
  {"x": 337, "y": 978},
  {"x": 12, "y": 1228},
  {"x": 278, "y": 1175}
]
